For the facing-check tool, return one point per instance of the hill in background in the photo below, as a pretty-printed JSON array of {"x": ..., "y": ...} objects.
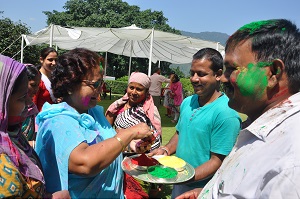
[{"x": 210, "y": 36}]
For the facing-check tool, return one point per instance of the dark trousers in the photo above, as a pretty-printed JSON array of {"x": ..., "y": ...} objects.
[{"x": 156, "y": 100}]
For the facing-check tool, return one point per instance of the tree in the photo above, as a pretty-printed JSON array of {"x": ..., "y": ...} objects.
[
  {"x": 10, "y": 45},
  {"x": 112, "y": 14}
]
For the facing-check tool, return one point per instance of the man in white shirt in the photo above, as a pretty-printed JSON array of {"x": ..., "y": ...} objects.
[
  {"x": 155, "y": 88},
  {"x": 262, "y": 80}
]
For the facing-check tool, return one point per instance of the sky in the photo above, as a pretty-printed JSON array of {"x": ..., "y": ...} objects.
[{"x": 187, "y": 15}]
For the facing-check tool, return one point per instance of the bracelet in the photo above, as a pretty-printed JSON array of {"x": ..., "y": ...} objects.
[
  {"x": 33, "y": 144},
  {"x": 165, "y": 149},
  {"x": 121, "y": 142}
]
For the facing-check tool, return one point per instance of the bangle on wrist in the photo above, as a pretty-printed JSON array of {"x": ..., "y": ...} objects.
[
  {"x": 165, "y": 149},
  {"x": 121, "y": 142}
]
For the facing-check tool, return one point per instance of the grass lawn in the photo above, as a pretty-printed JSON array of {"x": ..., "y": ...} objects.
[{"x": 168, "y": 130}]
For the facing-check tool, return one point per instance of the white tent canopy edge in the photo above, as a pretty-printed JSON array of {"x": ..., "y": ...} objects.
[{"x": 129, "y": 41}]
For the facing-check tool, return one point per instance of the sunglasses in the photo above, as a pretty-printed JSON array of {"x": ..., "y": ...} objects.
[{"x": 95, "y": 85}]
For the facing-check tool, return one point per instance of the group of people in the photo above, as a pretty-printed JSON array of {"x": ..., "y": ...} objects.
[
  {"x": 79, "y": 146},
  {"x": 172, "y": 93}
]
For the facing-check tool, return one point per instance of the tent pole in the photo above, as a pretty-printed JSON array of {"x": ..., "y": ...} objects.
[
  {"x": 130, "y": 59},
  {"x": 51, "y": 35},
  {"x": 150, "y": 54},
  {"x": 22, "y": 47},
  {"x": 105, "y": 63},
  {"x": 158, "y": 63}
]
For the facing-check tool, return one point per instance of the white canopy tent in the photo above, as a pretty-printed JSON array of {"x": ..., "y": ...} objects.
[{"x": 129, "y": 41}]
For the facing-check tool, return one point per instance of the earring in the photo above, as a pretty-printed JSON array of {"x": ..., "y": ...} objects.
[{"x": 69, "y": 92}]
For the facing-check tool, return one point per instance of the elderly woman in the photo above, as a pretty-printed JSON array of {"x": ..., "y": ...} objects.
[
  {"x": 78, "y": 148},
  {"x": 134, "y": 107}
]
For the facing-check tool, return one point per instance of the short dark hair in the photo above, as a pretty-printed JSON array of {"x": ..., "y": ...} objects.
[
  {"x": 71, "y": 68},
  {"x": 212, "y": 55},
  {"x": 156, "y": 70},
  {"x": 270, "y": 40}
]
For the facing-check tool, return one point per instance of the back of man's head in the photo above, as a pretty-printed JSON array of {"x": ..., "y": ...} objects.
[{"x": 157, "y": 70}]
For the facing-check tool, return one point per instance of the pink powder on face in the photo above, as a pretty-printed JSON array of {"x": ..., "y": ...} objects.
[{"x": 86, "y": 100}]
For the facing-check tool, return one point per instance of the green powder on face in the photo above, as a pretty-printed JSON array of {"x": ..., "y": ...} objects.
[
  {"x": 253, "y": 81},
  {"x": 162, "y": 172},
  {"x": 252, "y": 27},
  {"x": 263, "y": 64}
]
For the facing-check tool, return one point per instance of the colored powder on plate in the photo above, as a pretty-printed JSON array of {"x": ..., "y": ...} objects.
[
  {"x": 143, "y": 160},
  {"x": 162, "y": 172}
]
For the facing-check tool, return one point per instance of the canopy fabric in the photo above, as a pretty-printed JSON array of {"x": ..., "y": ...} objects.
[{"x": 129, "y": 41}]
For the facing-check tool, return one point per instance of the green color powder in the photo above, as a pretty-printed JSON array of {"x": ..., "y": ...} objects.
[
  {"x": 101, "y": 67},
  {"x": 162, "y": 172},
  {"x": 263, "y": 64},
  {"x": 253, "y": 81},
  {"x": 252, "y": 27}
]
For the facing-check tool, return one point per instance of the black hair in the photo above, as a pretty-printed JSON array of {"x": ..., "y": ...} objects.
[
  {"x": 32, "y": 72},
  {"x": 212, "y": 55},
  {"x": 46, "y": 51},
  {"x": 156, "y": 69},
  {"x": 70, "y": 70},
  {"x": 175, "y": 78},
  {"x": 270, "y": 40}
]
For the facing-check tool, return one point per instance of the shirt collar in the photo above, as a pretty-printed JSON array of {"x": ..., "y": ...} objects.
[{"x": 263, "y": 125}]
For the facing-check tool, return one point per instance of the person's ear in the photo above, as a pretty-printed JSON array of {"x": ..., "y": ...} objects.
[
  {"x": 276, "y": 70},
  {"x": 219, "y": 74},
  {"x": 41, "y": 60}
]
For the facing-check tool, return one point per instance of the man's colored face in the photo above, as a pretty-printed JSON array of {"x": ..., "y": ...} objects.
[{"x": 245, "y": 80}]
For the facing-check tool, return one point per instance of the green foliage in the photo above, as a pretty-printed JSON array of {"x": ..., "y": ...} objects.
[
  {"x": 113, "y": 14},
  {"x": 117, "y": 87},
  {"x": 10, "y": 44},
  {"x": 178, "y": 72},
  {"x": 187, "y": 87}
]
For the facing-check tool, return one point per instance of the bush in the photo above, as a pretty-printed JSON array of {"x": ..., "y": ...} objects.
[{"x": 119, "y": 86}]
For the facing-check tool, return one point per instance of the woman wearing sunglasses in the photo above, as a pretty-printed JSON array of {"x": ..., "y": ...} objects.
[{"x": 78, "y": 148}]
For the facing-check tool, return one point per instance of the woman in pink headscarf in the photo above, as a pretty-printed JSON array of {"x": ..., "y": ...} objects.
[{"x": 134, "y": 107}]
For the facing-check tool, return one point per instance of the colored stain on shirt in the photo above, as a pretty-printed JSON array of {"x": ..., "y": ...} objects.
[
  {"x": 162, "y": 172},
  {"x": 253, "y": 80}
]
